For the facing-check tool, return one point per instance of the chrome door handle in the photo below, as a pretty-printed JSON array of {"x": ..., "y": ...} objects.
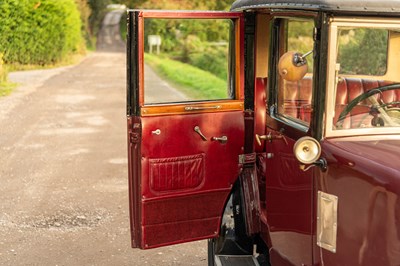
[
  {"x": 198, "y": 131},
  {"x": 223, "y": 139},
  {"x": 270, "y": 137},
  {"x": 259, "y": 138}
]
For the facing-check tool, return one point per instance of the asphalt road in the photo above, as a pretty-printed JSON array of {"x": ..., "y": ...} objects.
[{"x": 63, "y": 168}]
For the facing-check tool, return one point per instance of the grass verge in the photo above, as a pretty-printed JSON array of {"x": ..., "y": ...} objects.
[
  {"x": 6, "y": 88},
  {"x": 194, "y": 82}
]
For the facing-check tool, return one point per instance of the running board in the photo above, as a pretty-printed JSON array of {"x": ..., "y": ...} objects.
[{"x": 236, "y": 260}]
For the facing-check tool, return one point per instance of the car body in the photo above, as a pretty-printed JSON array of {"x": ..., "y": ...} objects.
[{"x": 300, "y": 158}]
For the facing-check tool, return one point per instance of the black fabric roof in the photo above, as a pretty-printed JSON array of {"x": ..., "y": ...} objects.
[{"x": 386, "y": 6}]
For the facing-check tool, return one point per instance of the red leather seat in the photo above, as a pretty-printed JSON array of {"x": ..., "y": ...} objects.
[
  {"x": 349, "y": 88},
  {"x": 298, "y": 94},
  {"x": 297, "y": 102}
]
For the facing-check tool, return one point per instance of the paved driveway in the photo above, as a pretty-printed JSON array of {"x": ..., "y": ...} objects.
[{"x": 63, "y": 169}]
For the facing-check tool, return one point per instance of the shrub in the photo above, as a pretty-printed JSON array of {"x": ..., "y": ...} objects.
[
  {"x": 39, "y": 32},
  {"x": 84, "y": 10},
  {"x": 3, "y": 71},
  {"x": 213, "y": 60}
]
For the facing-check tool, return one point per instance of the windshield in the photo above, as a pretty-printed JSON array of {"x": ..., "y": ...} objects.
[{"x": 366, "y": 81}]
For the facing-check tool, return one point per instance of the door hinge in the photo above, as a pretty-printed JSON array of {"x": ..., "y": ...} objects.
[{"x": 134, "y": 135}]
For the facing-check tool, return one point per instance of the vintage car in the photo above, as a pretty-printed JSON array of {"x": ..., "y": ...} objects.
[{"x": 296, "y": 160}]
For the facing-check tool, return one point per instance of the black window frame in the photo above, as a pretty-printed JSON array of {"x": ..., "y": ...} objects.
[{"x": 280, "y": 121}]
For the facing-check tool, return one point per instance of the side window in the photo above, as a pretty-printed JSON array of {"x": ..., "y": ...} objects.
[
  {"x": 187, "y": 60},
  {"x": 295, "y": 68}
]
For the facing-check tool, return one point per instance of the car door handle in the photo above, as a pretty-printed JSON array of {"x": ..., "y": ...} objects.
[
  {"x": 198, "y": 131},
  {"x": 223, "y": 139},
  {"x": 270, "y": 137},
  {"x": 259, "y": 138}
]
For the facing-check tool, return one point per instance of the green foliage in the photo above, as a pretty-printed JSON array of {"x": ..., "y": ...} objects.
[
  {"x": 213, "y": 59},
  {"x": 123, "y": 26},
  {"x": 6, "y": 88},
  {"x": 188, "y": 4},
  {"x": 85, "y": 12},
  {"x": 195, "y": 82},
  {"x": 363, "y": 51},
  {"x": 176, "y": 31},
  {"x": 300, "y": 39},
  {"x": 199, "y": 42},
  {"x": 3, "y": 70},
  {"x": 99, "y": 9},
  {"x": 130, "y": 3},
  {"x": 39, "y": 32}
]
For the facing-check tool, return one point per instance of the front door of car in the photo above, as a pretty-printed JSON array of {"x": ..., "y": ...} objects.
[
  {"x": 185, "y": 122},
  {"x": 288, "y": 191}
]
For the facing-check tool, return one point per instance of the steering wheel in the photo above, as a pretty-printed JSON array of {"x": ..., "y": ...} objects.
[{"x": 364, "y": 96}]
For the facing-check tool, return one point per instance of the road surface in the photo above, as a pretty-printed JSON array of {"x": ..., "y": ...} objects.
[
  {"x": 158, "y": 90},
  {"x": 63, "y": 168}
]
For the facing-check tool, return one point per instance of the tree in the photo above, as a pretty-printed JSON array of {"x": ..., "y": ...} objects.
[
  {"x": 363, "y": 51},
  {"x": 85, "y": 12},
  {"x": 188, "y": 4},
  {"x": 99, "y": 8},
  {"x": 131, "y": 3}
]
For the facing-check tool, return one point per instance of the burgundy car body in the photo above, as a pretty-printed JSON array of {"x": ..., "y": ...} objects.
[{"x": 343, "y": 208}]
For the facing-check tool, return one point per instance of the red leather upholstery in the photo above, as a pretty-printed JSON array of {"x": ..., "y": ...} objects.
[
  {"x": 305, "y": 96},
  {"x": 290, "y": 99},
  {"x": 178, "y": 173},
  {"x": 297, "y": 101},
  {"x": 350, "y": 88}
]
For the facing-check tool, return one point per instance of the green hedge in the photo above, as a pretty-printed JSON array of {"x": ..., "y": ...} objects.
[{"x": 39, "y": 32}]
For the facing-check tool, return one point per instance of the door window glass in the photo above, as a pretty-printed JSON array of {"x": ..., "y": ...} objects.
[
  {"x": 366, "y": 94},
  {"x": 358, "y": 47},
  {"x": 187, "y": 60},
  {"x": 295, "y": 78}
]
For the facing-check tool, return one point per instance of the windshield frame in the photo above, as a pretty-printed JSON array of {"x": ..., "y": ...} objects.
[{"x": 336, "y": 23}]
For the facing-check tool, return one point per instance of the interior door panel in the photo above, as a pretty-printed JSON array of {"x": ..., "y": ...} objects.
[
  {"x": 185, "y": 158},
  {"x": 186, "y": 180}
]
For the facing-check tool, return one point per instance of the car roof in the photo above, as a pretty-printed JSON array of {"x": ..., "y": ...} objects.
[{"x": 386, "y": 6}]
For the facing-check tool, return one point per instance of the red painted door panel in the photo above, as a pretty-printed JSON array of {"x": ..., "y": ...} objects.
[
  {"x": 288, "y": 204},
  {"x": 185, "y": 180},
  {"x": 180, "y": 176}
]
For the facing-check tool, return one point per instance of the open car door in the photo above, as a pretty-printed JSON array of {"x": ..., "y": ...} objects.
[{"x": 185, "y": 122}]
